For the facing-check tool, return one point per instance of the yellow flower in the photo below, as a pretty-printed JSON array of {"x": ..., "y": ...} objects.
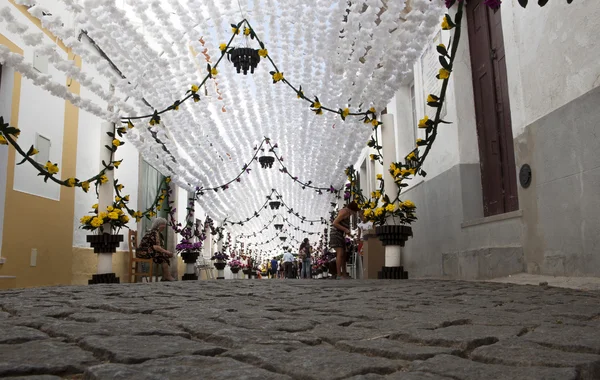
[
  {"x": 119, "y": 211},
  {"x": 392, "y": 166},
  {"x": 117, "y": 198},
  {"x": 404, "y": 172},
  {"x": 372, "y": 157},
  {"x": 158, "y": 207},
  {"x": 445, "y": 24},
  {"x": 124, "y": 218},
  {"x": 51, "y": 168},
  {"x": 71, "y": 182},
  {"x": 137, "y": 215},
  {"x": 168, "y": 180},
  {"x": 379, "y": 176},
  {"x": 368, "y": 212},
  {"x": 235, "y": 30},
  {"x": 419, "y": 141},
  {"x": 442, "y": 46},
  {"x": 34, "y": 152},
  {"x": 85, "y": 219},
  {"x": 408, "y": 204},
  {"x": 444, "y": 74},
  {"x": 113, "y": 215},
  {"x": 3, "y": 140},
  {"x": 345, "y": 112},
  {"x": 103, "y": 215},
  {"x": 412, "y": 171},
  {"x": 103, "y": 179},
  {"x": 110, "y": 208},
  {"x": 214, "y": 71},
  {"x": 222, "y": 47},
  {"x": 116, "y": 142},
  {"x": 126, "y": 198},
  {"x": 431, "y": 99},
  {"x": 372, "y": 194},
  {"x": 277, "y": 76},
  {"x": 372, "y": 109},
  {"x": 373, "y": 204},
  {"x": 97, "y": 222},
  {"x": 397, "y": 172},
  {"x": 263, "y": 52},
  {"x": 412, "y": 156},
  {"x": 379, "y": 211},
  {"x": 316, "y": 105},
  {"x": 129, "y": 124},
  {"x": 120, "y": 187},
  {"x": 95, "y": 206},
  {"x": 374, "y": 122},
  {"x": 300, "y": 94},
  {"x": 390, "y": 207},
  {"x": 85, "y": 185},
  {"x": 246, "y": 31},
  {"x": 117, "y": 163},
  {"x": 423, "y": 122}
]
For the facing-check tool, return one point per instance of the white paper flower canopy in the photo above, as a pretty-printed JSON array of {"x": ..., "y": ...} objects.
[{"x": 347, "y": 55}]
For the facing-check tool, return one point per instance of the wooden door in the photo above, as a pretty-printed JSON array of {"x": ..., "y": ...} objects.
[{"x": 492, "y": 109}]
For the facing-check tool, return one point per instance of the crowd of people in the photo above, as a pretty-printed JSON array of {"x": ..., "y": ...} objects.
[{"x": 289, "y": 265}]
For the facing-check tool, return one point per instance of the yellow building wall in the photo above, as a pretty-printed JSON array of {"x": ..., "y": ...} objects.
[{"x": 35, "y": 222}]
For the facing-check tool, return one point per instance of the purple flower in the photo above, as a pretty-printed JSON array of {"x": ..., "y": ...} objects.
[
  {"x": 494, "y": 4},
  {"x": 346, "y": 195}
]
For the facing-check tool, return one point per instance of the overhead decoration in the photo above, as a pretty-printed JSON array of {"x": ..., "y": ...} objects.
[{"x": 191, "y": 159}]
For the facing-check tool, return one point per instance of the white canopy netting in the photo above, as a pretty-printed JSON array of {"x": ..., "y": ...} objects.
[{"x": 350, "y": 54}]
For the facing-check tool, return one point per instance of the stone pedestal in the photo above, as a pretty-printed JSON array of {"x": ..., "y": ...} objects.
[
  {"x": 189, "y": 258},
  {"x": 373, "y": 255}
]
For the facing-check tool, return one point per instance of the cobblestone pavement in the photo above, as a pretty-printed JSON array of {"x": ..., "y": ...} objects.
[{"x": 274, "y": 329}]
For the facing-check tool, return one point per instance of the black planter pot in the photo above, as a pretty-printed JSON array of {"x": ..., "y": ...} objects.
[
  {"x": 106, "y": 278},
  {"x": 220, "y": 266},
  {"x": 246, "y": 271},
  {"x": 275, "y": 205},
  {"x": 190, "y": 257},
  {"x": 393, "y": 235},
  {"x": 235, "y": 270},
  {"x": 244, "y": 59},
  {"x": 105, "y": 243},
  {"x": 266, "y": 162},
  {"x": 283, "y": 238},
  {"x": 278, "y": 226}
]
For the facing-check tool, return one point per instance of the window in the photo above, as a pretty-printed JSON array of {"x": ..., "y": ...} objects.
[
  {"x": 42, "y": 144},
  {"x": 413, "y": 105},
  {"x": 151, "y": 179}
]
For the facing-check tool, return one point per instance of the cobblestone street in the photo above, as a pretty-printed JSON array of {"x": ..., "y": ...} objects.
[{"x": 369, "y": 330}]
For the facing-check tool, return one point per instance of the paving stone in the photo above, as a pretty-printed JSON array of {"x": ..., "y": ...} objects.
[
  {"x": 315, "y": 362},
  {"x": 393, "y": 349},
  {"x": 465, "y": 337},
  {"x": 19, "y": 334},
  {"x": 43, "y": 356},
  {"x": 304, "y": 329},
  {"x": 237, "y": 337},
  {"x": 35, "y": 377},
  {"x": 519, "y": 352},
  {"x": 182, "y": 367},
  {"x": 77, "y": 330},
  {"x": 566, "y": 337},
  {"x": 137, "y": 349},
  {"x": 462, "y": 369}
]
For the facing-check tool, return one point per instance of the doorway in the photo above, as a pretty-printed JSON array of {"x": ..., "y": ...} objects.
[{"x": 492, "y": 109}]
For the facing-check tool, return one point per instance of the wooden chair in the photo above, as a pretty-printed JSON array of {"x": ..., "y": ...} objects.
[{"x": 134, "y": 261}]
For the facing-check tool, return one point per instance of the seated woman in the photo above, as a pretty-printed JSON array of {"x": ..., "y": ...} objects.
[{"x": 151, "y": 248}]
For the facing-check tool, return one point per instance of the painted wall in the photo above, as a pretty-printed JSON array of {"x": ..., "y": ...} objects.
[{"x": 6, "y": 89}]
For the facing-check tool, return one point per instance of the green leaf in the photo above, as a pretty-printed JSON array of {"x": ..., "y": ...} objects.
[
  {"x": 442, "y": 50},
  {"x": 110, "y": 134},
  {"x": 445, "y": 63}
]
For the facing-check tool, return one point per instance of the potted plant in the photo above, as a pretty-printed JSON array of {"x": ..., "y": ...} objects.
[
  {"x": 189, "y": 253},
  {"x": 104, "y": 224},
  {"x": 220, "y": 263}
]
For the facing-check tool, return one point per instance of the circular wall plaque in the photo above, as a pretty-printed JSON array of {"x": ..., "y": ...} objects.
[{"x": 525, "y": 176}]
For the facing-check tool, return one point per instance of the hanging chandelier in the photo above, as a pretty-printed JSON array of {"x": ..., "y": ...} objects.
[{"x": 244, "y": 59}]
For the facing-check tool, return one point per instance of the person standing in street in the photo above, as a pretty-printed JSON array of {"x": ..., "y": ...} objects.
[
  {"x": 274, "y": 267},
  {"x": 288, "y": 263},
  {"x": 304, "y": 255}
]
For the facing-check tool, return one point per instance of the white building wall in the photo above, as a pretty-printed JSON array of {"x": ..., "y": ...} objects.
[
  {"x": 6, "y": 87},
  {"x": 39, "y": 112}
]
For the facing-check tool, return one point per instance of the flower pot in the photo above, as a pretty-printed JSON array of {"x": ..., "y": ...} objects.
[
  {"x": 266, "y": 162},
  {"x": 190, "y": 257},
  {"x": 105, "y": 243},
  {"x": 235, "y": 270},
  {"x": 244, "y": 59},
  {"x": 274, "y": 205},
  {"x": 220, "y": 265},
  {"x": 393, "y": 235}
]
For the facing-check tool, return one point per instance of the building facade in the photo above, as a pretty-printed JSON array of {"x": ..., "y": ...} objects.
[{"x": 512, "y": 184}]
